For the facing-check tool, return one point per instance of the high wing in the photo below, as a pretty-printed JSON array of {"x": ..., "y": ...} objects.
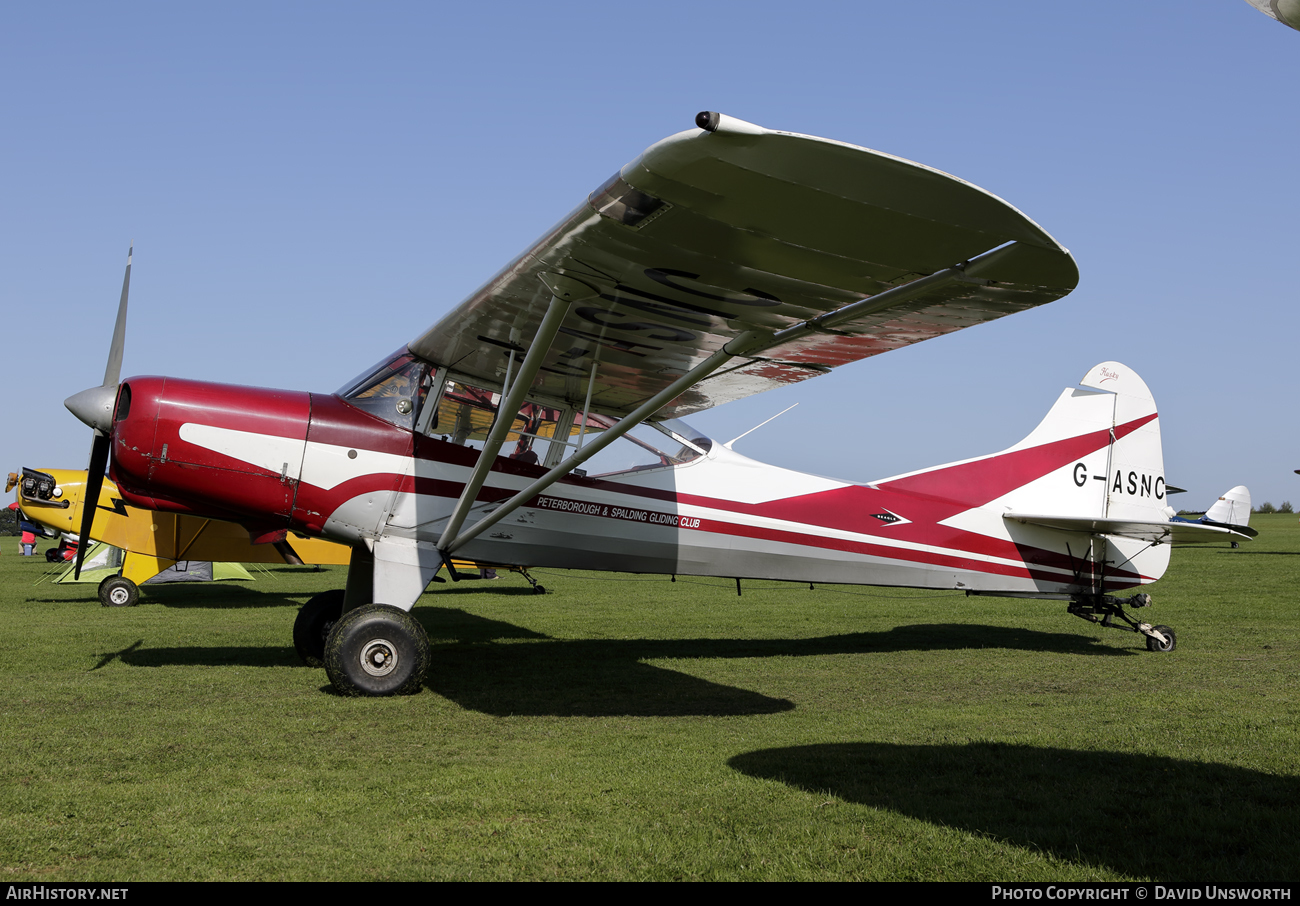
[{"x": 733, "y": 229}]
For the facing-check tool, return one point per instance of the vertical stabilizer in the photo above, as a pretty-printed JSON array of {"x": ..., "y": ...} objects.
[
  {"x": 1233, "y": 508},
  {"x": 1135, "y": 477}
]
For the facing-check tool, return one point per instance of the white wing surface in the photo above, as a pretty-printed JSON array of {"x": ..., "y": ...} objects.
[{"x": 732, "y": 227}]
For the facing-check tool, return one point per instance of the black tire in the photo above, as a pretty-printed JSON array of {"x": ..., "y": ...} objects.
[
  {"x": 1153, "y": 645},
  {"x": 53, "y": 556},
  {"x": 539, "y": 589},
  {"x": 118, "y": 591},
  {"x": 314, "y": 621},
  {"x": 377, "y": 650}
]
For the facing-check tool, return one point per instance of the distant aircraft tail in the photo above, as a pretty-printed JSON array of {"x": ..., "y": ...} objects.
[
  {"x": 1232, "y": 509},
  {"x": 1229, "y": 517}
]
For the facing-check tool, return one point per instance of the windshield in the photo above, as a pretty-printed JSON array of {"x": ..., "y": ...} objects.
[{"x": 394, "y": 390}]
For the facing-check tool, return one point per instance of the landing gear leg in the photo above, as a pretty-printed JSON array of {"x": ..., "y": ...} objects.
[
  {"x": 538, "y": 588},
  {"x": 1107, "y": 609}
]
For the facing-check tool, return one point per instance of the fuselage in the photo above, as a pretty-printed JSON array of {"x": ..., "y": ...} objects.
[{"x": 276, "y": 461}]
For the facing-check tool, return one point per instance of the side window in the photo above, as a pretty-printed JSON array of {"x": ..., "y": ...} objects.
[
  {"x": 650, "y": 445},
  {"x": 466, "y": 412},
  {"x": 543, "y": 436},
  {"x": 534, "y": 434}
]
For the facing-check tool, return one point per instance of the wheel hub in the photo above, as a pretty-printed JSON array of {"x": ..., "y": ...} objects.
[
  {"x": 119, "y": 596},
  {"x": 379, "y": 657}
]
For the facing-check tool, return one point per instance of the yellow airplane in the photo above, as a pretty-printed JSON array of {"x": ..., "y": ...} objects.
[{"x": 153, "y": 541}]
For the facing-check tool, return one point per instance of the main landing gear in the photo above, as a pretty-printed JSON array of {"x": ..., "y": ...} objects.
[
  {"x": 372, "y": 650},
  {"x": 1106, "y": 609},
  {"x": 377, "y": 649},
  {"x": 118, "y": 591},
  {"x": 315, "y": 620}
]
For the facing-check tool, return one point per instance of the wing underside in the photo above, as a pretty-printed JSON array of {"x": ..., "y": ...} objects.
[{"x": 709, "y": 234}]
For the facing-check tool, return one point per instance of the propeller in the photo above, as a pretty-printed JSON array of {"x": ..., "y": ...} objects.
[{"x": 94, "y": 407}]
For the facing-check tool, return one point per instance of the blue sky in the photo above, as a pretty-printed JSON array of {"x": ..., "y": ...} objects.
[{"x": 311, "y": 185}]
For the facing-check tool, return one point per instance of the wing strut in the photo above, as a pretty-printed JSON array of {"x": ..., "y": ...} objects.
[
  {"x": 741, "y": 345},
  {"x": 564, "y": 291},
  {"x": 749, "y": 343},
  {"x": 870, "y": 305}
]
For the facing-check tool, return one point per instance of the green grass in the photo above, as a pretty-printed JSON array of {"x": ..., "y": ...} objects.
[{"x": 629, "y": 727}]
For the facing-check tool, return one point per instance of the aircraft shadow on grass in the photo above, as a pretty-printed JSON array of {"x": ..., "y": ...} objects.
[
  {"x": 1140, "y": 815},
  {"x": 497, "y": 667}
]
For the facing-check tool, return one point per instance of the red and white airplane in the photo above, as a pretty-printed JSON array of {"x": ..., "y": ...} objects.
[{"x": 725, "y": 260}]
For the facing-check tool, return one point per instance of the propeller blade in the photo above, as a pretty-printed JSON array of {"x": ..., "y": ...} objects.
[
  {"x": 95, "y": 408},
  {"x": 113, "y": 371},
  {"x": 90, "y": 499}
]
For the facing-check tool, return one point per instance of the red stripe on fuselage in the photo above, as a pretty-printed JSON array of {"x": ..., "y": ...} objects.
[{"x": 926, "y": 499}]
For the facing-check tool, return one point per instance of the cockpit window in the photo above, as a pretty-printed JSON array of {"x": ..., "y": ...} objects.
[
  {"x": 650, "y": 445},
  {"x": 393, "y": 390},
  {"x": 537, "y": 436},
  {"x": 466, "y": 413}
]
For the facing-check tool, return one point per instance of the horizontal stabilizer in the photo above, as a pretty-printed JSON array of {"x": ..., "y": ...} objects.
[{"x": 1162, "y": 531}]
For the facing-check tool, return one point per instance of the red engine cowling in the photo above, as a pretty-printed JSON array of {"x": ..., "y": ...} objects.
[
  {"x": 237, "y": 453},
  {"x": 211, "y": 449}
]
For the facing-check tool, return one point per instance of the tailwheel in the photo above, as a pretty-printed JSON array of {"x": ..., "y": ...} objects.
[
  {"x": 1108, "y": 610},
  {"x": 1154, "y": 644},
  {"x": 315, "y": 620},
  {"x": 118, "y": 591},
  {"x": 377, "y": 650}
]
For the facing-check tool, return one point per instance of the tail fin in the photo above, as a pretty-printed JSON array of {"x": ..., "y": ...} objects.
[
  {"x": 1093, "y": 467},
  {"x": 1233, "y": 508},
  {"x": 1106, "y": 435},
  {"x": 1115, "y": 484},
  {"x": 1135, "y": 478}
]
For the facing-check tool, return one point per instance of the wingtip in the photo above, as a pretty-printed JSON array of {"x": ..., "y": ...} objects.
[{"x": 712, "y": 121}]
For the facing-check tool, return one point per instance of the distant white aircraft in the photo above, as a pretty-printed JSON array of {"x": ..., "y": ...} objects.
[
  {"x": 1232, "y": 510},
  {"x": 1285, "y": 11}
]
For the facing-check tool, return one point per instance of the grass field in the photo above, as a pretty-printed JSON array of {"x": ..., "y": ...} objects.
[{"x": 629, "y": 727}]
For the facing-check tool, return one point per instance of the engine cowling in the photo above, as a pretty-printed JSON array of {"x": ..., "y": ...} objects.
[{"x": 211, "y": 449}]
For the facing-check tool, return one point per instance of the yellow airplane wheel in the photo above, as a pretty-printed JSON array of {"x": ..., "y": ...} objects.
[{"x": 118, "y": 591}]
